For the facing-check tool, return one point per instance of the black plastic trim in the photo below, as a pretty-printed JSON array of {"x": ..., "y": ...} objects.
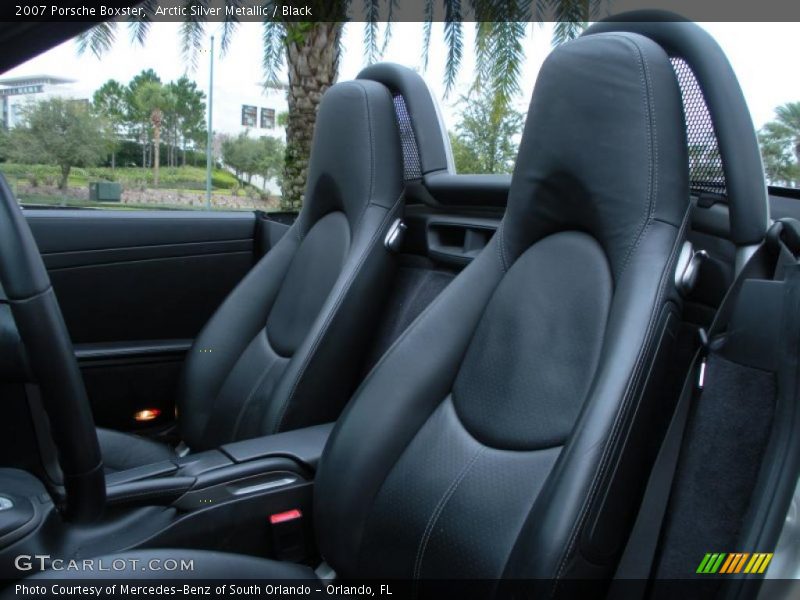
[
  {"x": 135, "y": 349},
  {"x": 302, "y": 445}
]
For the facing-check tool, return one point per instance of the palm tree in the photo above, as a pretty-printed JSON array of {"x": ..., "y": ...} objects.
[
  {"x": 780, "y": 144},
  {"x": 109, "y": 101},
  {"x": 154, "y": 98},
  {"x": 311, "y": 51}
]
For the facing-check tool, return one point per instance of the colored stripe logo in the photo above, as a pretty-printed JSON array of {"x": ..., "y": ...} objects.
[{"x": 724, "y": 563}]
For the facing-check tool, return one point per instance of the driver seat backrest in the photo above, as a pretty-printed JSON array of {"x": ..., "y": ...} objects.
[
  {"x": 501, "y": 435},
  {"x": 284, "y": 349}
]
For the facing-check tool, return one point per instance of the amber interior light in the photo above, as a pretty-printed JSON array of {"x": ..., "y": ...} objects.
[{"x": 148, "y": 414}]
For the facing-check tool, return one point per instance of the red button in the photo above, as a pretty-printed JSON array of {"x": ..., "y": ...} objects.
[{"x": 289, "y": 515}]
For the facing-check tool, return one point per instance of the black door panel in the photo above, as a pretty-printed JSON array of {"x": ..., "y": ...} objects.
[
  {"x": 164, "y": 298},
  {"x": 151, "y": 275},
  {"x": 135, "y": 288},
  {"x": 82, "y": 229}
]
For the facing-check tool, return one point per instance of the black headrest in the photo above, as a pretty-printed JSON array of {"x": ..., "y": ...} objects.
[
  {"x": 604, "y": 148},
  {"x": 355, "y": 155},
  {"x": 716, "y": 111}
]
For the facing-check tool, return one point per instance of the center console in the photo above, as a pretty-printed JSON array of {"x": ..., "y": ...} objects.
[{"x": 223, "y": 499}]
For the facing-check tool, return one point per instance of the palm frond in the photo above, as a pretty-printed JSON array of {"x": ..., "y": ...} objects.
[
  {"x": 371, "y": 18},
  {"x": 484, "y": 15},
  {"x": 483, "y": 11},
  {"x": 598, "y": 9},
  {"x": 522, "y": 10},
  {"x": 192, "y": 32},
  {"x": 98, "y": 40},
  {"x": 139, "y": 26},
  {"x": 138, "y": 30},
  {"x": 454, "y": 38},
  {"x": 273, "y": 35},
  {"x": 426, "y": 33},
  {"x": 387, "y": 32},
  {"x": 564, "y": 31},
  {"x": 507, "y": 57},
  {"x": 482, "y": 54},
  {"x": 541, "y": 11},
  {"x": 788, "y": 115},
  {"x": 229, "y": 25},
  {"x": 571, "y": 17}
]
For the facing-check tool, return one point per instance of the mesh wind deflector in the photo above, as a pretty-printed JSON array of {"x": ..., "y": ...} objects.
[
  {"x": 411, "y": 164},
  {"x": 705, "y": 162}
]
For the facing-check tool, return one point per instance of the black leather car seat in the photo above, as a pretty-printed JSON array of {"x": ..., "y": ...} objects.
[
  {"x": 284, "y": 349},
  {"x": 501, "y": 435}
]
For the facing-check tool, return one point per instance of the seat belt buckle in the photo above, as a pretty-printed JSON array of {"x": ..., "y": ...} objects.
[{"x": 288, "y": 535}]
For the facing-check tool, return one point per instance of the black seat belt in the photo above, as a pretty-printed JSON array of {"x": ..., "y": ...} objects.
[{"x": 640, "y": 552}]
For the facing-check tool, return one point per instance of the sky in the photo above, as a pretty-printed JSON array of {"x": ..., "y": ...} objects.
[{"x": 763, "y": 56}]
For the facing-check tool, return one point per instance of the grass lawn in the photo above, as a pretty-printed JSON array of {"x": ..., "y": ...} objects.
[
  {"x": 177, "y": 178},
  {"x": 191, "y": 180},
  {"x": 33, "y": 201}
]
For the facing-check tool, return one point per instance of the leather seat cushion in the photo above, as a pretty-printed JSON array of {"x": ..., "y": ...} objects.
[{"x": 123, "y": 451}]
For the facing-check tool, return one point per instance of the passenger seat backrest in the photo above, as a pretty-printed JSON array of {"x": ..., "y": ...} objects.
[
  {"x": 496, "y": 435},
  {"x": 285, "y": 346}
]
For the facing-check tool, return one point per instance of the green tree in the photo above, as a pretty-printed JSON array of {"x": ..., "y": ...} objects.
[
  {"x": 155, "y": 99},
  {"x": 249, "y": 156},
  {"x": 780, "y": 145},
  {"x": 311, "y": 51},
  {"x": 271, "y": 157},
  {"x": 59, "y": 131},
  {"x": 240, "y": 153},
  {"x": 138, "y": 118},
  {"x": 5, "y": 142},
  {"x": 110, "y": 102},
  {"x": 183, "y": 119},
  {"x": 486, "y": 138},
  {"x": 189, "y": 109}
]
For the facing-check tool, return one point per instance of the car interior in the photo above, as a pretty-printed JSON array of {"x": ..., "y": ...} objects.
[{"x": 436, "y": 376}]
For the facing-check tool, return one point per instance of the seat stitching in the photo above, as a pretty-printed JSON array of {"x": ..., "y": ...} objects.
[
  {"x": 369, "y": 202},
  {"x": 207, "y": 415},
  {"x": 329, "y": 317},
  {"x": 652, "y": 148},
  {"x": 268, "y": 369},
  {"x": 637, "y": 370},
  {"x": 370, "y": 246},
  {"x": 253, "y": 388},
  {"x": 437, "y": 511},
  {"x": 361, "y": 87},
  {"x": 616, "y": 431}
]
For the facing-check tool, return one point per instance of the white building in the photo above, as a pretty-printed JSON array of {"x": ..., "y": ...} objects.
[
  {"x": 16, "y": 92},
  {"x": 251, "y": 109}
]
